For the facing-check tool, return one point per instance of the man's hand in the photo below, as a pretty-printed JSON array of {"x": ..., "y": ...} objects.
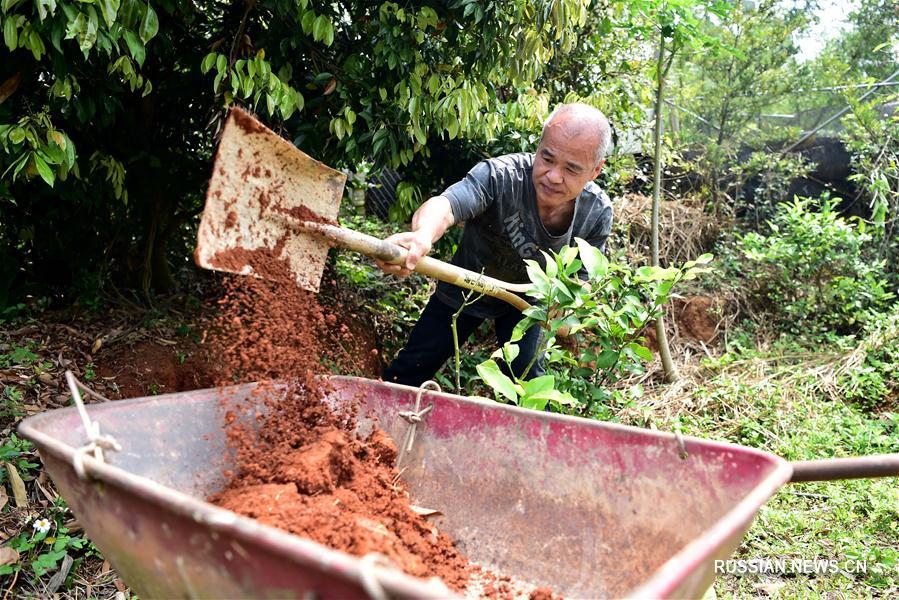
[
  {"x": 418, "y": 244},
  {"x": 429, "y": 223}
]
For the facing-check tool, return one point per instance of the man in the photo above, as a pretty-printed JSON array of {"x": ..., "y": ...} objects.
[{"x": 513, "y": 206}]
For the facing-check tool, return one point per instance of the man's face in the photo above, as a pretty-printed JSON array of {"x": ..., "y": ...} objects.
[{"x": 563, "y": 165}]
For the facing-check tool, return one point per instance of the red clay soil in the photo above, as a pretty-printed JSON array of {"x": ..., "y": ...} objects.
[
  {"x": 696, "y": 318},
  {"x": 148, "y": 368},
  {"x": 303, "y": 470}
]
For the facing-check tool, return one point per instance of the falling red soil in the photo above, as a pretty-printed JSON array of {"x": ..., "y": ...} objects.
[{"x": 303, "y": 469}]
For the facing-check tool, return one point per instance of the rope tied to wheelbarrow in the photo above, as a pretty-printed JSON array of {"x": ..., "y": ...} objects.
[
  {"x": 96, "y": 442},
  {"x": 414, "y": 417}
]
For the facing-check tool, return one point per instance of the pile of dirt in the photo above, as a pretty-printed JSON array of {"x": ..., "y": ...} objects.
[{"x": 304, "y": 470}]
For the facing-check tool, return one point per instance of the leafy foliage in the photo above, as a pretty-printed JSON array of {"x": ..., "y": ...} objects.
[
  {"x": 812, "y": 272},
  {"x": 605, "y": 312},
  {"x": 107, "y": 110},
  {"x": 873, "y": 139}
]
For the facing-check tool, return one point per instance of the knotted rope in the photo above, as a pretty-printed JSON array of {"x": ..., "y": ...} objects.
[
  {"x": 414, "y": 417},
  {"x": 96, "y": 442},
  {"x": 369, "y": 579}
]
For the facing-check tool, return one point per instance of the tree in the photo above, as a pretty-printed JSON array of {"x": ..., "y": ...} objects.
[
  {"x": 676, "y": 24},
  {"x": 101, "y": 129},
  {"x": 728, "y": 92},
  {"x": 105, "y": 106}
]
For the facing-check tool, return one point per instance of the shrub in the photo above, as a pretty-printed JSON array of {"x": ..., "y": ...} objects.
[
  {"x": 601, "y": 317},
  {"x": 811, "y": 273}
]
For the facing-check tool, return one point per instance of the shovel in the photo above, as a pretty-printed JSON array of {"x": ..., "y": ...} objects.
[{"x": 271, "y": 212}]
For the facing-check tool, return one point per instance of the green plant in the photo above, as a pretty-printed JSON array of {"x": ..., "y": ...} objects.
[
  {"x": 812, "y": 273},
  {"x": 469, "y": 298},
  {"x": 873, "y": 140},
  {"x": 45, "y": 543},
  {"x": 19, "y": 356},
  {"x": 106, "y": 109},
  {"x": 12, "y": 398},
  {"x": 771, "y": 174},
  {"x": 604, "y": 313},
  {"x": 866, "y": 377},
  {"x": 18, "y": 452}
]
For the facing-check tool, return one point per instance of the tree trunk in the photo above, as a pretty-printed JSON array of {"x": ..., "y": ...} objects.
[{"x": 661, "y": 72}]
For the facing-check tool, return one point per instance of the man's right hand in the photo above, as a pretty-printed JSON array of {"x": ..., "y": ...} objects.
[
  {"x": 429, "y": 223},
  {"x": 418, "y": 243}
]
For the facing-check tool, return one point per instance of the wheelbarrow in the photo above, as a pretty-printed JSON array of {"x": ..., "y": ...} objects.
[{"x": 589, "y": 509}]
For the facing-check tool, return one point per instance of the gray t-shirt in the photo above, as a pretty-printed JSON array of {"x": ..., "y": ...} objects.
[{"x": 498, "y": 203}]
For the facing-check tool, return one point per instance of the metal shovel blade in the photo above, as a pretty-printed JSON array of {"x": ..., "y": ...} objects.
[{"x": 258, "y": 179}]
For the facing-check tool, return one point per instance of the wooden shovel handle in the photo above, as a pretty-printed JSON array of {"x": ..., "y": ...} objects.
[
  {"x": 880, "y": 465},
  {"x": 392, "y": 253}
]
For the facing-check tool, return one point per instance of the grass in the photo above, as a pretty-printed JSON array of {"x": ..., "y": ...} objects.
[{"x": 790, "y": 401}]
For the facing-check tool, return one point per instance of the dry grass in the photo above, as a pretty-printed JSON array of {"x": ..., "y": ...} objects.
[
  {"x": 822, "y": 374},
  {"x": 685, "y": 232}
]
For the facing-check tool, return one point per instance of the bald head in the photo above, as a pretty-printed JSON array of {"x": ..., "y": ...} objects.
[{"x": 577, "y": 120}]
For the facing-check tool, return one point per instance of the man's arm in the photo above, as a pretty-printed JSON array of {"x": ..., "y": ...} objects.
[{"x": 429, "y": 223}]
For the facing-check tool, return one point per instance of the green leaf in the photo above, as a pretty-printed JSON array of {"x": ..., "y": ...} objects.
[
  {"x": 496, "y": 379},
  {"x": 36, "y": 44},
  {"x": 641, "y": 351},
  {"x": 558, "y": 396},
  {"x": 510, "y": 352},
  {"x": 606, "y": 359},
  {"x": 221, "y": 63},
  {"x": 149, "y": 26},
  {"x": 10, "y": 33},
  {"x": 139, "y": 52},
  {"x": 44, "y": 170},
  {"x": 536, "y": 275},
  {"x": 44, "y": 8},
  {"x": 110, "y": 9},
  {"x": 543, "y": 383},
  {"x": 593, "y": 260},
  {"x": 208, "y": 62},
  {"x": 319, "y": 27},
  {"x": 307, "y": 21},
  {"x": 420, "y": 136},
  {"x": 533, "y": 402}
]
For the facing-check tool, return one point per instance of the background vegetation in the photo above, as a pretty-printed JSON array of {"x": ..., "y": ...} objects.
[{"x": 784, "y": 167}]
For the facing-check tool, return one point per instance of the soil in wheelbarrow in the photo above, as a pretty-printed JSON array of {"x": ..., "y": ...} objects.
[{"x": 302, "y": 469}]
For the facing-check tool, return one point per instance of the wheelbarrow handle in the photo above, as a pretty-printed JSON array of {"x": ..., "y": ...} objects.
[
  {"x": 878, "y": 465},
  {"x": 431, "y": 267}
]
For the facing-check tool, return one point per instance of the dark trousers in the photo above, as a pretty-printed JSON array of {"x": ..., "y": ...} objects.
[{"x": 431, "y": 343}]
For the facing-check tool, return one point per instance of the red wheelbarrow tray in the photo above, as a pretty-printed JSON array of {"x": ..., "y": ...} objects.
[{"x": 587, "y": 508}]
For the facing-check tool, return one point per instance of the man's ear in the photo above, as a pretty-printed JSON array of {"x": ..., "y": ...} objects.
[{"x": 598, "y": 169}]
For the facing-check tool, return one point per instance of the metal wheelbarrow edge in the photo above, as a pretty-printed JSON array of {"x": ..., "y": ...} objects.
[
  {"x": 683, "y": 568},
  {"x": 298, "y": 549}
]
